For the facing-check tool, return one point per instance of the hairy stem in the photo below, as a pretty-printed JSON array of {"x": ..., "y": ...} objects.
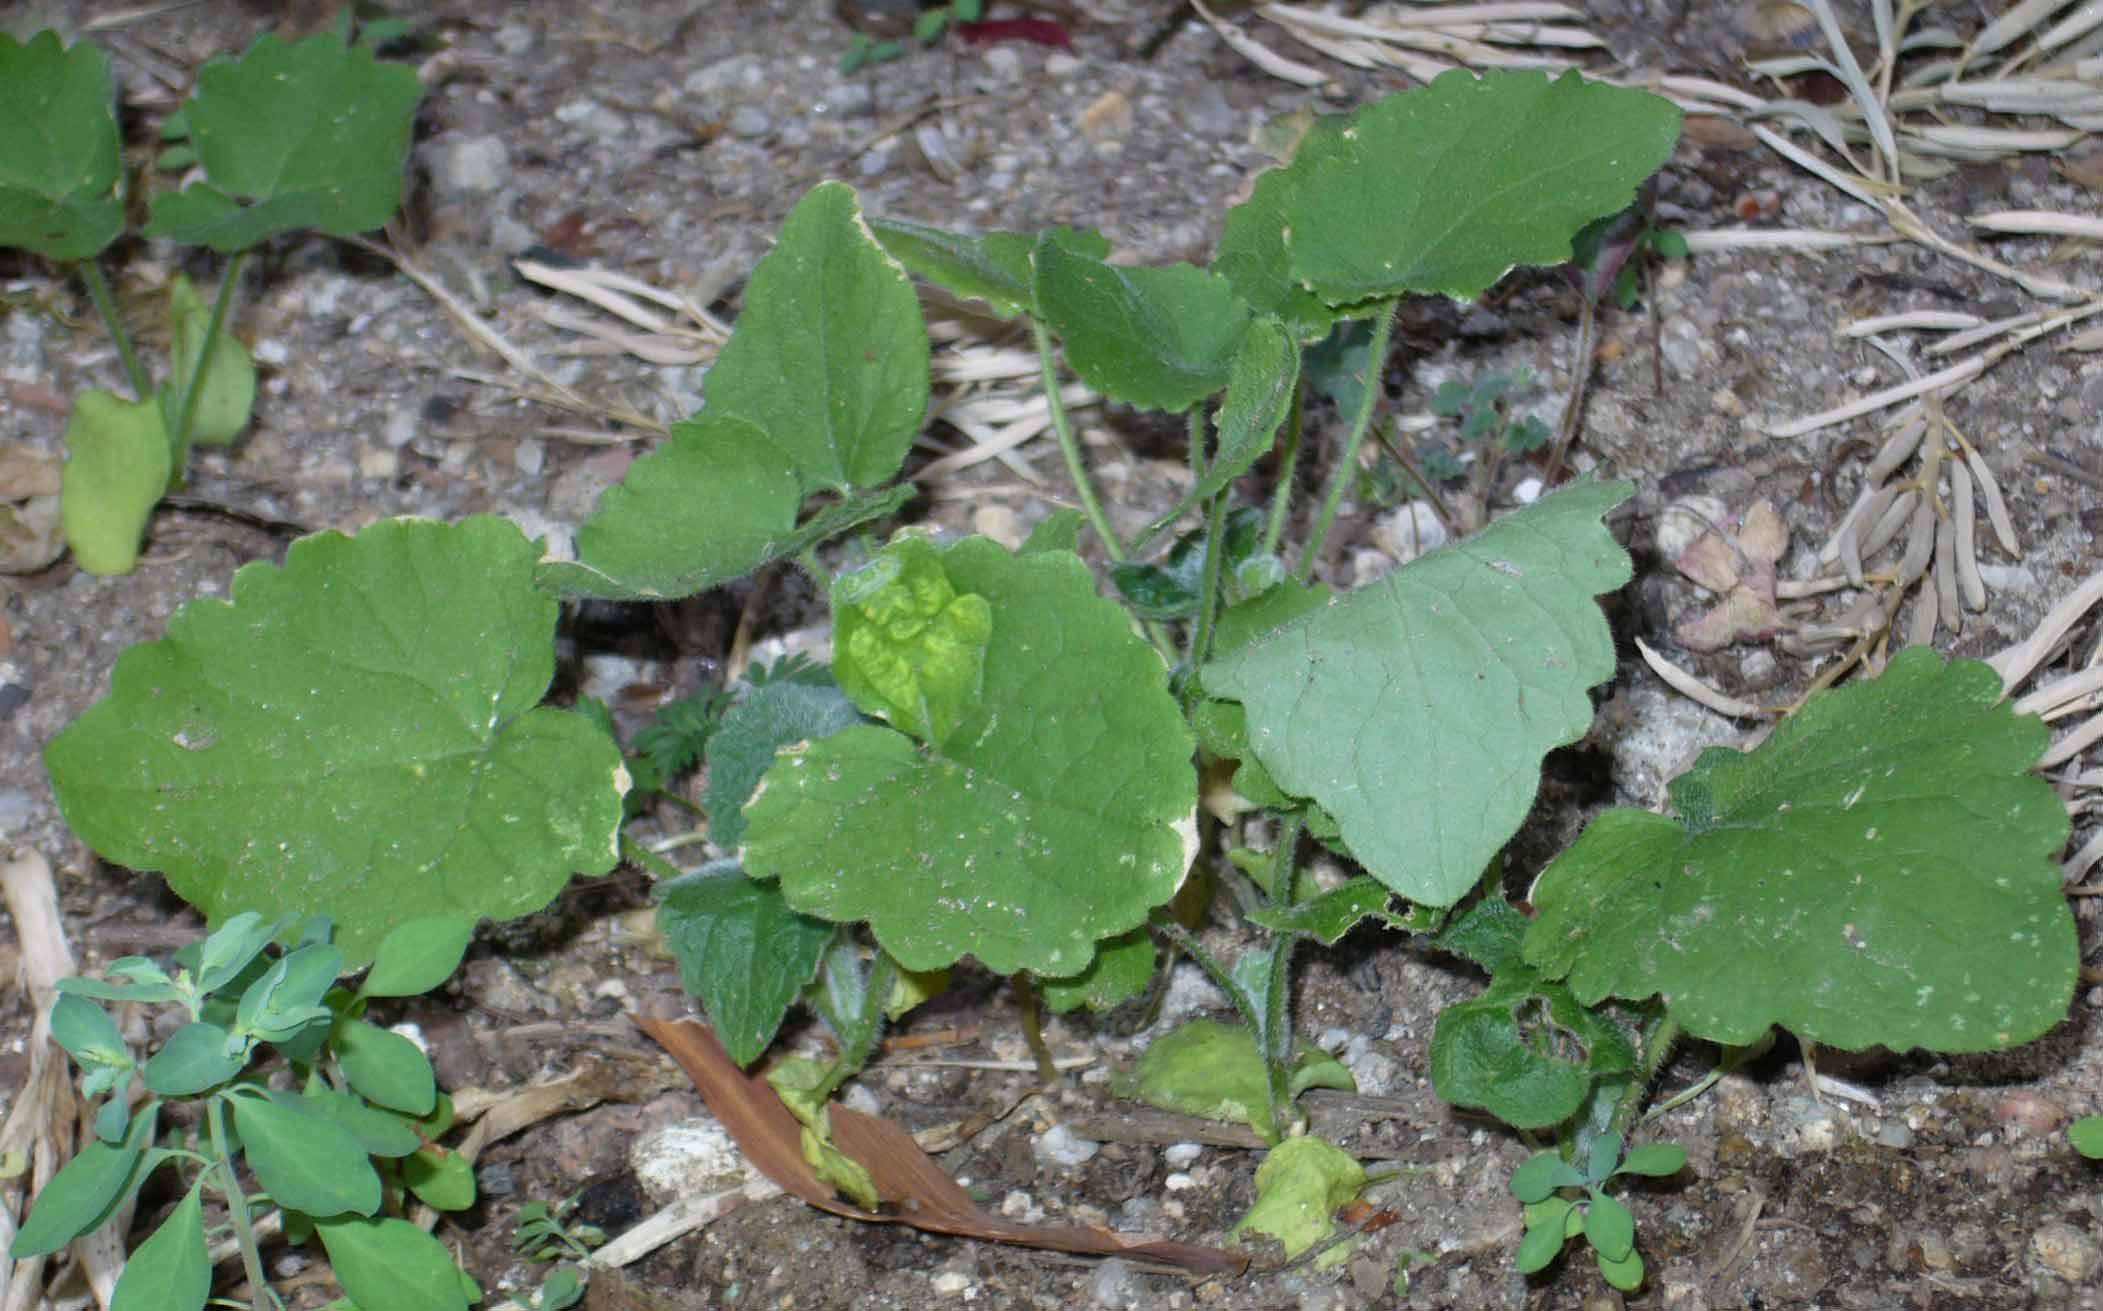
[
  {"x": 106, "y": 306},
  {"x": 1655, "y": 1040},
  {"x": 1288, "y": 468},
  {"x": 260, "y": 1296},
  {"x": 1347, "y": 464},
  {"x": 1070, "y": 446}
]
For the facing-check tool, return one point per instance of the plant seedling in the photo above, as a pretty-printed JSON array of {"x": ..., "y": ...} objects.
[
  {"x": 359, "y": 1128},
  {"x": 1564, "y": 1202},
  {"x": 309, "y": 135}
]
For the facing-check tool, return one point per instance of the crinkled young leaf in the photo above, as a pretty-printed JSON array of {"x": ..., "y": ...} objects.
[
  {"x": 908, "y": 647},
  {"x": 764, "y": 720},
  {"x": 1058, "y": 812},
  {"x": 1416, "y": 709},
  {"x": 117, "y": 465},
  {"x": 742, "y": 953},
  {"x": 391, "y": 1263},
  {"x": 1121, "y": 970},
  {"x": 1161, "y": 339},
  {"x": 306, "y": 135},
  {"x": 305, "y": 1160},
  {"x": 1447, "y": 187},
  {"x": 1877, "y": 872},
  {"x": 1491, "y": 933},
  {"x": 58, "y": 155},
  {"x": 829, "y": 359},
  {"x": 171, "y": 1270},
  {"x": 993, "y": 266},
  {"x": 1524, "y": 1050},
  {"x": 355, "y": 734},
  {"x": 226, "y": 393},
  {"x": 1299, "y": 1188},
  {"x": 1329, "y": 916}
]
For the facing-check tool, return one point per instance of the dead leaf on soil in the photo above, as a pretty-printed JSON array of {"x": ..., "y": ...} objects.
[
  {"x": 907, "y": 1178},
  {"x": 1736, "y": 561},
  {"x": 30, "y": 535}
]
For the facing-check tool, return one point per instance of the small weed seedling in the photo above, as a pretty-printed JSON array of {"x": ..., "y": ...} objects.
[
  {"x": 311, "y": 135},
  {"x": 547, "y": 1233},
  {"x": 1563, "y": 1202},
  {"x": 1003, "y": 762},
  {"x": 276, "y": 1072},
  {"x": 931, "y": 23}
]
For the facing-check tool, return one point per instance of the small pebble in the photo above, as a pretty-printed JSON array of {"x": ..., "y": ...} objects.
[
  {"x": 1060, "y": 1146},
  {"x": 1180, "y": 1155},
  {"x": 1003, "y": 62},
  {"x": 2067, "y": 1252},
  {"x": 949, "y": 1283},
  {"x": 1060, "y": 64},
  {"x": 474, "y": 166},
  {"x": 1108, "y": 118},
  {"x": 1115, "y": 1285},
  {"x": 749, "y": 121}
]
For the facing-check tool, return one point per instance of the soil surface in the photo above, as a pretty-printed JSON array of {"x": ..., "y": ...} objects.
[{"x": 666, "y": 139}]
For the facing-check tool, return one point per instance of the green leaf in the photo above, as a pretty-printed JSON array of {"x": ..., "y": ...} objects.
[
  {"x": 2086, "y": 1134},
  {"x": 386, "y": 1068},
  {"x": 1544, "y": 1238},
  {"x": 712, "y": 504},
  {"x": 764, "y": 720},
  {"x": 288, "y": 996},
  {"x": 378, "y": 1133},
  {"x": 58, "y": 159},
  {"x": 1655, "y": 1159},
  {"x": 148, "y": 983},
  {"x": 84, "y": 1189},
  {"x": 391, "y": 1263},
  {"x": 829, "y": 359},
  {"x": 231, "y": 948},
  {"x": 742, "y": 953},
  {"x": 1122, "y": 969},
  {"x": 354, "y": 734},
  {"x": 1524, "y": 1050},
  {"x": 117, "y": 466},
  {"x": 1214, "y": 1070},
  {"x": 1058, "y": 531},
  {"x": 1252, "y": 251},
  {"x": 1489, "y": 933},
  {"x": 1625, "y": 1274},
  {"x": 441, "y": 1180},
  {"x": 1329, "y": 916},
  {"x": 1170, "y": 590},
  {"x": 993, "y": 267},
  {"x": 308, "y": 135},
  {"x": 196, "y": 1057},
  {"x": 908, "y": 647},
  {"x": 170, "y": 1271},
  {"x": 1541, "y": 1175},
  {"x": 1417, "y": 708},
  {"x": 227, "y": 392},
  {"x": 94, "y": 1042},
  {"x": 1878, "y": 872},
  {"x": 1058, "y": 812},
  {"x": 1604, "y": 1156},
  {"x": 1445, "y": 188},
  {"x": 305, "y": 1160},
  {"x": 1160, "y": 339},
  {"x": 1299, "y": 1187},
  {"x": 418, "y": 955}
]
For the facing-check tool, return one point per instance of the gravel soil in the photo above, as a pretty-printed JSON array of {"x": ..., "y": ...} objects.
[{"x": 666, "y": 139}]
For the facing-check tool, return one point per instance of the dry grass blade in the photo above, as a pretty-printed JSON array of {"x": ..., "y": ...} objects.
[
  {"x": 1679, "y": 680},
  {"x": 38, "y": 1132},
  {"x": 2041, "y": 223},
  {"x": 1717, "y": 240},
  {"x": 1927, "y": 320},
  {"x": 1241, "y": 43}
]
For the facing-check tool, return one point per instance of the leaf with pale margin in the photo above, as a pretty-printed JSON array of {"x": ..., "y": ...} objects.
[
  {"x": 1416, "y": 709},
  {"x": 742, "y": 953},
  {"x": 993, "y": 266},
  {"x": 762, "y": 721},
  {"x": 306, "y": 135},
  {"x": 829, "y": 359},
  {"x": 357, "y": 734},
  {"x": 1058, "y": 813},
  {"x": 1877, "y": 872},
  {"x": 1447, "y": 187},
  {"x": 117, "y": 465},
  {"x": 1160, "y": 339},
  {"x": 58, "y": 155}
]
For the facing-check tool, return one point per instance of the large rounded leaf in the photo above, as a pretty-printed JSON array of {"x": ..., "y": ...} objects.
[
  {"x": 58, "y": 152},
  {"x": 1878, "y": 871},
  {"x": 1416, "y": 709},
  {"x": 1055, "y": 812},
  {"x": 354, "y": 734}
]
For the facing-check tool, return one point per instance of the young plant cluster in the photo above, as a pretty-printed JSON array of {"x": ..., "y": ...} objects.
[
  {"x": 277, "y": 1073},
  {"x": 1001, "y": 762}
]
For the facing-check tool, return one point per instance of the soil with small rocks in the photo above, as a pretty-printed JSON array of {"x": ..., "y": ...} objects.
[{"x": 666, "y": 139}]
